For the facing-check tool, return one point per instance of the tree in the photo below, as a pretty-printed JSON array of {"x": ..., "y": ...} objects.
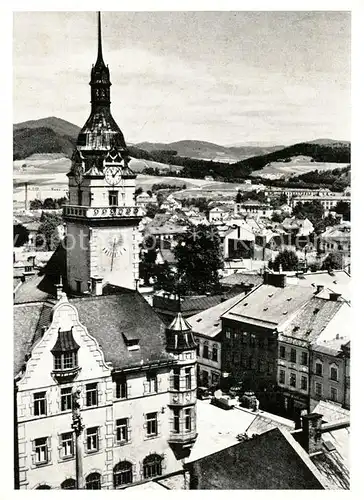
[
  {"x": 277, "y": 217},
  {"x": 166, "y": 278},
  {"x": 313, "y": 211},
  {"x": 148, "y": 256},
  {"x": 49, "y": 204},
  {"x": 47, "y": 234},
  {"x": 21, "y": 235},
  {"x": 343, "y": 208},
  {"x": 138, "y": 191},
  {"x": 35, "y": 204},
  {"x": 239, "y": 197},
  {"x": 287, "y": 259},
  {"x": 199, "y": 259},
  {"x": 150, "y": 210},
  {"x": 333, "y": 261}
]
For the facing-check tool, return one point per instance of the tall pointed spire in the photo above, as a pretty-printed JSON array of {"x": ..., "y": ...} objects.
[{"x": 99, "y": 49}]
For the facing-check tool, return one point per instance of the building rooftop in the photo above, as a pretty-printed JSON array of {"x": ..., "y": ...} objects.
[
  {"x": 268, "y": 305},
  {"x": 208, "y": 322},
  {"x": 311, "y": 319},
  {"x": 242, "y": 278},
  {"x": 272, "y": 460},
  {"x": 110, "y": 319},
  {"x": 334, "y": 281}
]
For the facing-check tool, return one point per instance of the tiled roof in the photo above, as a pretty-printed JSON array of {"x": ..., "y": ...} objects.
[
  {"x": 331, "y": 412},
  {"x": 28, "y": 322},
  {"x": 65, "y": 342},
  {"x": 272, "y": 460},
  {"x": 311, "y": 319},
  {"x": 35, "y": 289},
  {"x": 268, "y": 305},
  {"x": 242, "y": 278},
  {"x": 208, "y": 322},
  {"x": 263, "y": 424},
  {"x": 189, "y": 304},
  {"x": 107, "y": 317}
]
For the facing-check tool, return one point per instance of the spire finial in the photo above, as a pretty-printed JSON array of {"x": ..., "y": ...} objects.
[{"x": 99, "y": 50}]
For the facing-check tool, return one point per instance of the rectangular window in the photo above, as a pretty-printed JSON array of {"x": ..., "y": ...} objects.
[
  {"x": 270, "y": 367},
  {"x": 176, "y": 420},
  {"x": 152, "y": 383},
  {"x": 67, "y": 445},
  {"x": 214, "y": 353},
  {"x": 304, "y": 382},
  {"x": 122, "y": 430},
  {"x": 92, "y": 439},
  {"x": 113, "y": 198},
  {"x": 227, "y": 334},
  {"x": 65, "y": 361},
  {"x": 78, "y": 286},
  {"x": 91, "y": 395},
  {"x": 188, "y": 374},
  {"x": 304, "y": 358},
  {"x": 121, "y": 389},
  {"x": 252, "y": 340},
  {"x": 66, "y": 398},
  {"x": 79, "y": 197},
  {"x": 318, "y": 369},
  {"x": 293, "y": 356},
  {"x": 152, "y": 424},
  {"x": 40, "y": 404},
  {"x": 282, "y": 352},
  {"x": 176, "y": 378},
  {"x": 282, "y": 377},
  {"x": 205, "y": 353},
  {"x": 318, "y": 389},
  {"x": 41, "y": 451},
  {"x": 292, "y": 379},
  {"x": 333, "y": 394},
  {"x": 333, "y": 373},
  {"x": 188, "y": 419},
  {"x": 197, "y": 347}
]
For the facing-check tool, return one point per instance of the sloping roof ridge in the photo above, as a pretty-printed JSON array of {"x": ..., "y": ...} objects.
[
  {"x": 301, "y": 452},
  {"x": 244, "y": 297}
]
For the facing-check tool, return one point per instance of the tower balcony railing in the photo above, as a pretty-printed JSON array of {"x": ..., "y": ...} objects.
[
  {"x": 182, "y": 398},
  {"x": 102, "y": 212}
]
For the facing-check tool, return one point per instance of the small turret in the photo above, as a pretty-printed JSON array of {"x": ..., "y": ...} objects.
[{"x": 179, "y": 335}]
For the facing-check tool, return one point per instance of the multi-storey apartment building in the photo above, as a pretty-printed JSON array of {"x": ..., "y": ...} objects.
[
  {"x": 330, "y": 366},
  {"x": 136, "y": 392},
  {"x": 296, "y": 356},
  {"x": 250, "y": 335},
  {"x": 207, "y": 330}
]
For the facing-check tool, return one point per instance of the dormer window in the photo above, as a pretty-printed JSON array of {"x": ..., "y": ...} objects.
[
  {"x": 65, "y": 362},
  {"x": 131, "y": 342}
]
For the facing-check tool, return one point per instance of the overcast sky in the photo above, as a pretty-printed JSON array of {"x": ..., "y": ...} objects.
[{"x": 224, "y": 77}]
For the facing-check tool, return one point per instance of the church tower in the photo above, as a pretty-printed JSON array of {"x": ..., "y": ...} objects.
[{"x": 102, "y": 218}]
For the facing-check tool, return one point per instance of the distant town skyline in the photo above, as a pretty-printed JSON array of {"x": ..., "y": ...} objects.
[{"x": 223, "y": 77}]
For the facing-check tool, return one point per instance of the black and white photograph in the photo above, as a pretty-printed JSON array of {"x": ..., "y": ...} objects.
[{"x": 182, "y": 293}]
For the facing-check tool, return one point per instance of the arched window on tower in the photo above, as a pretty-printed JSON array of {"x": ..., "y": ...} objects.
[
  {"x": 93, "y": 481},
  {"x": 123, "y": 474},
  {"x": 152, "y": 466}
]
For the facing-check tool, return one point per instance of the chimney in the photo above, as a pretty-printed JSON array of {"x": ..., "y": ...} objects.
[
  {"x": 319, "y": 289},
  {"x": 334, "y": 296},
  {"x": 311, "y": 432},
  {"x": 26, "y": 275},
  {"x": 96, "y": 285},
  {"x": 275, "y": 279}
]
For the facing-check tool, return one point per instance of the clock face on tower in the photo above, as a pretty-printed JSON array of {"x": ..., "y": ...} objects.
[{"x": 113, "y": 175}]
